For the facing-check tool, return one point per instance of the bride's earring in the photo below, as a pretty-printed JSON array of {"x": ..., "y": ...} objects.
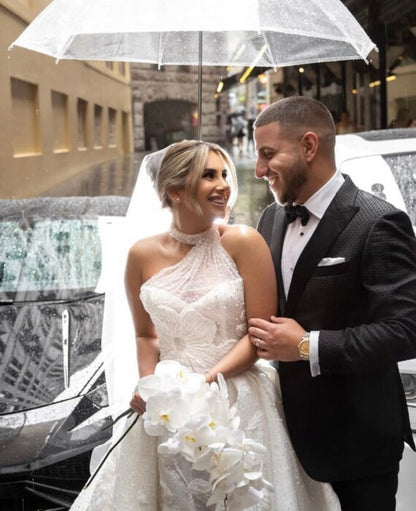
[{"x": 174, "y": 197}]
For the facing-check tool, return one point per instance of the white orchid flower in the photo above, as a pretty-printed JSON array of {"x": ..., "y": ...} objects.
[
  {"x": 223, "y": 459},
  {"x": 167, "y": 410},
  {"x": 221, "y": 412},
  {"x": 150, "y": 385},
  {"x": 169, "y": 368},
  {"x": 194, "y": 437},
  {"x": 204, "y": 429},
  {"x": 172, "y": 446},
  {"x": 169, "y": 374},
  {"x": 218, "y": 496}
]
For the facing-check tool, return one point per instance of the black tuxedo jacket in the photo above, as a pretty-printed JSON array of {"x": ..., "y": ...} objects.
[{"x": 350, "y": 421}]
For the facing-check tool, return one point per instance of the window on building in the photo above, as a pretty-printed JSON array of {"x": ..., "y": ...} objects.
[
  {"x": 98, "y": 126},
  {"x": 60, "y": 122},
  {"x": 82, "y": 123},
  {"x": 125, "y": 142},
  {"x": 122, "y": 68},
  {"x": 112, "y": 127},
  {"x": 26, "y": 123}
]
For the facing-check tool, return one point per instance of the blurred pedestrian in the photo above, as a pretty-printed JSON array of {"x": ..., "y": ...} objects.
[
  {"x": 229, "y": 133},
  {"x": 403, "y": 119},
  {"x": 239, "y": 132},
  {"x": 250, "y": 141},
  {"x": 345, "y": 124}
]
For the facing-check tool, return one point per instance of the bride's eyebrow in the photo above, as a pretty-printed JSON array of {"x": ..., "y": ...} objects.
[{"x": 214, "y": 170}]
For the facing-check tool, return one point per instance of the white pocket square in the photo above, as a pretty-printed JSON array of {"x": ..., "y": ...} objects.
[{"x": 331, "y": 261}]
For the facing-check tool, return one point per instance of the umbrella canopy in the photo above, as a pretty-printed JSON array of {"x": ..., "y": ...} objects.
[
  {"x": 256, "y": 33},
  {"x": 267, "y": 33}
]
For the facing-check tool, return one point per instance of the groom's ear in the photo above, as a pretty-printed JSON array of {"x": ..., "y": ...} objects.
[{"x": 310, "y": 144}]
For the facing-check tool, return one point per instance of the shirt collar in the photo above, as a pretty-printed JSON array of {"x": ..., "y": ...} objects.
[{"x": 320, "y": 200}]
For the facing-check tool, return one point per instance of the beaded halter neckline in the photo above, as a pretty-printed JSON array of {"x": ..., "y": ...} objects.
[{"x": 191, "y": 239}]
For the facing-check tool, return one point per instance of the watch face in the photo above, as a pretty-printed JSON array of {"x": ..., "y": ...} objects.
[{"x": 304, "y": 348}]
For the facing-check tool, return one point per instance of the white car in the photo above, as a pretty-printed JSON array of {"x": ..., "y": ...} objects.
[{"x": 383, "y": 162}]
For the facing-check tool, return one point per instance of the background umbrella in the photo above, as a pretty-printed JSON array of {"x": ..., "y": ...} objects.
[{"x": 263, "y": 33}]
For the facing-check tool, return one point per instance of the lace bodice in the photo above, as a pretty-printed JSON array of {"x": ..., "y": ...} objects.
[{"x": 197, "y": 305}]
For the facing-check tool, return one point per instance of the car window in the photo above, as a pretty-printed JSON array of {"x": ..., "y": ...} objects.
[
  {"x": 52, "y": 248},
  {"x": 49, "y": 259},
  {"x": 403, "y": 167},
  {"x": 391, "y": 177}
]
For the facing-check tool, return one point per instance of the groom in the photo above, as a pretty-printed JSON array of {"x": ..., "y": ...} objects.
[{"x": 346, "y": 269}]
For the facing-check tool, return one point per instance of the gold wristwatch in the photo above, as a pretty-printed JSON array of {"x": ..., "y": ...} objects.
[{"x": 303, "y": 347}]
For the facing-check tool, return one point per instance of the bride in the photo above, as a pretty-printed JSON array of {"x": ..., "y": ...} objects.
[{"x": 190, "y": 291}]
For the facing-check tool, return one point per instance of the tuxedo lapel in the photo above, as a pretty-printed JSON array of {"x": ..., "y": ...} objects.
[
  {"x": 337, "y": 216},
  {"x": 276, "y": 244}
]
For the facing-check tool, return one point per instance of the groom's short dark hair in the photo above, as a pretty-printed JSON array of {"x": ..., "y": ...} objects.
[{"x": 296, "y": 112}]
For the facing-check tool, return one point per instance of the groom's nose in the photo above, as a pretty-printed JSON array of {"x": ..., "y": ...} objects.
[{"x": 261, "y": 169}]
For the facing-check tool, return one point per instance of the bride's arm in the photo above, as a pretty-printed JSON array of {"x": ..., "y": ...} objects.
[
  {"x": 252, "y": 256},
  {"x": 147, "y": 344}
]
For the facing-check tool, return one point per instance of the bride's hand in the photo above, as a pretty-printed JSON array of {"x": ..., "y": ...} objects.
[{"x": 137, "y": 404}]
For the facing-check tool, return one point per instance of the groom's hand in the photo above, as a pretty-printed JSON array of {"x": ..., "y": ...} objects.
[{"x": 276, "y": 339}]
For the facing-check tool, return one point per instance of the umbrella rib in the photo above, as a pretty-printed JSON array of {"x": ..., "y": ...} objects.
[
  {"x": 162, "y": 39},
  {"x": 64, "y": 48},
  {"x": 268, "y": 50},
  {"x": 341, "y": 28},
  {"x": 118, "y": 46},
  {"x": 317, "y": 35}
]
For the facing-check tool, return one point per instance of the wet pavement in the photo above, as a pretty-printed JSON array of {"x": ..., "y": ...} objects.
[{"x": 118, "y": 177}]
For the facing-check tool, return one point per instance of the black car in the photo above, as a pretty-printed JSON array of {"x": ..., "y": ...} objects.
[{"x": 53, "y": 397}]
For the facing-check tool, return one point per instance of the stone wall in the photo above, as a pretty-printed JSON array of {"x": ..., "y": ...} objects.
[{"x": 173, "y": 85}]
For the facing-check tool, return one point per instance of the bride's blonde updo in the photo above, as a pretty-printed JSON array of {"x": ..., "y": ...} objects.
[{"x": 183, "y": 165}]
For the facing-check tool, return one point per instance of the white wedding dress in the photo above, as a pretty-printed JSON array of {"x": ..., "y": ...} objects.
[{"x": 198, "y": 309}]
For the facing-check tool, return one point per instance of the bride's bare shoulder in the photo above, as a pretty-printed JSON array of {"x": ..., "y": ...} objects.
[
  {"x": 146, "y": 248},
  {"x": 239, "y": 234}
]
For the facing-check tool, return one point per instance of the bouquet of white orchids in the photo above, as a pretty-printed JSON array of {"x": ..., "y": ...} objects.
[{"x": 201, "y": 426}]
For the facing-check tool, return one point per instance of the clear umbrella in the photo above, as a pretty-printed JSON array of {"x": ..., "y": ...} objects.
[{"x": 264, "y": 33}]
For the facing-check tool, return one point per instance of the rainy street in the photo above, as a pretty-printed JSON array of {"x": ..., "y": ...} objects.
[{"x": 118, "y": 177}]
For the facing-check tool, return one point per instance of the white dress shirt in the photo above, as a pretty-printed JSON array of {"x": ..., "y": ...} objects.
[{"x": 297, "y": 237}]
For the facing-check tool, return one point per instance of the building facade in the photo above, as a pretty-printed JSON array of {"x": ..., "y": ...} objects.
[
  {"x": 373, "y": 93},
  {"x": 56, "y": 119},
  {"x": 165, "y": 105}
]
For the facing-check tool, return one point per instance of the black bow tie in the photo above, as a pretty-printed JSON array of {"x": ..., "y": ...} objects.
[{"x": 293, "y": 212}]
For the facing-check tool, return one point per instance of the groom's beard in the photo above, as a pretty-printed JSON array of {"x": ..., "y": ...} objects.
[{"x": 290, "y": 183}]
